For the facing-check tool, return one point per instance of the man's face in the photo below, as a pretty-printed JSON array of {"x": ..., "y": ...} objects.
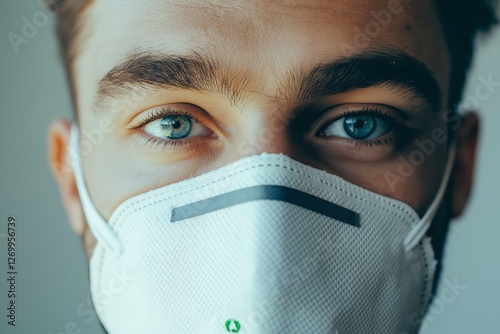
[{"x": 167, "y": 90}]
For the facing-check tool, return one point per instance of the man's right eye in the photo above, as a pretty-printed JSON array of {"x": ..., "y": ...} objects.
[
  {"x": 165, "y": 124},
  {"x": 174, "y": 127}
]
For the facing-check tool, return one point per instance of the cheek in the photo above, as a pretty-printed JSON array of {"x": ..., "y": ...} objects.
[
  {"x": 108, "y": 182},
  {"x": 412, "y": 176},
  {"x": 114, "y": 174}
]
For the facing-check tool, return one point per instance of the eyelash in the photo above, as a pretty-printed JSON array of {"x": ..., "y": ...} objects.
[
  {"x": 396, "y": 128},
  {"x": 161, "y": 112}
]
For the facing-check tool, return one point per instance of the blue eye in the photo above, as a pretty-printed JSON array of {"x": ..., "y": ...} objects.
[
  {"x": 170, "y": 126},
  {"x": 358, "y": 127},
  {"x": 175, "y": 127}
]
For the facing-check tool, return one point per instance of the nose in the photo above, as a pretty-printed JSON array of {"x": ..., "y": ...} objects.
[{"x": 259, "y": 134}]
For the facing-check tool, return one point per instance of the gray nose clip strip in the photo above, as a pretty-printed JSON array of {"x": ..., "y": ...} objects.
[{"x": 266, "y": 192}]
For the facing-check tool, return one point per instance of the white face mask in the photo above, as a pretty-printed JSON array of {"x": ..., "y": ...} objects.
[{"x": 263, "y": 245}]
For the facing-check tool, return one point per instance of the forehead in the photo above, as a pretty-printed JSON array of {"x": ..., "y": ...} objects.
[{"x": 260, "y": 36}]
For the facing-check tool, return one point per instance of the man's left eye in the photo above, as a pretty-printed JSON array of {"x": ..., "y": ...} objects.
[{"x": 358, "y": 127}]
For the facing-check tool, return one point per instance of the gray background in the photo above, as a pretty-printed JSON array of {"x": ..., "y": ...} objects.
[{"x": 52, "y": 271}]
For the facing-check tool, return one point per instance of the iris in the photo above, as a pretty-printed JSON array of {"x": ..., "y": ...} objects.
[
  {"x": 175, "y": 126},
  {"x": 359, "y": 126}
]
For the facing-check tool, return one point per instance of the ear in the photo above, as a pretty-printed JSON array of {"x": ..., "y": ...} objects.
[
  {"x": 467, "y": 137},
  {"x": 59, "y": 162}
]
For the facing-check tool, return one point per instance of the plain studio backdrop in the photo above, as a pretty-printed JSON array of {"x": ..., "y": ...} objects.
[{"x": 52, "y": 284}]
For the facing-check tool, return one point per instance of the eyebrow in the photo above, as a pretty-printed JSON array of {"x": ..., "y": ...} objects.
[{"x": 391, "y": 69}]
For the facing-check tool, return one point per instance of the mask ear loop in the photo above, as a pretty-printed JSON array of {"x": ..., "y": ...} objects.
[
  {"x": 418, "y": 231},
  {"x": 99, "y": 227}
]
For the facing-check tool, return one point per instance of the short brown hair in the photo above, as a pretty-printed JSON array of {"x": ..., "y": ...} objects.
[{"x": 68, "y": 28}]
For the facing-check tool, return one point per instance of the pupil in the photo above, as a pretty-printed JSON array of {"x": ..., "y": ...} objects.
[
  {"x": 359, "y": 127},
  {"x": 359, "y": 123},
  {"x": 176, "y": 126}
]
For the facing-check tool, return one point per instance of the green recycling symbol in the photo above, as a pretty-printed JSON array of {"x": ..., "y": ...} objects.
[{"x": 233, "y": 326}]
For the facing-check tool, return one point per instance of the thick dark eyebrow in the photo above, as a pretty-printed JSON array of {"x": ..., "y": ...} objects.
[
  {"x": 191, "y": 72},
  {"x": 393, "y": 69}
]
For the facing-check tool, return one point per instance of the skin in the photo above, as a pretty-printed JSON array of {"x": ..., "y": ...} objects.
[{"x": 261, "y": 42}]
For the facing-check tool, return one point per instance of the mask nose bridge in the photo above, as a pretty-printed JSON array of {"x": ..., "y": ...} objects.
[{"x": 266, "y": 192}]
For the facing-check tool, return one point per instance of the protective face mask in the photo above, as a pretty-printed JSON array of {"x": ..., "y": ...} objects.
[{"x": 263, "y": 245}]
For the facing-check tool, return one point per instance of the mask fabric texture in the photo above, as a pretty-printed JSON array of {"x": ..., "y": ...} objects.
[{"x": 263, "y": 245}]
